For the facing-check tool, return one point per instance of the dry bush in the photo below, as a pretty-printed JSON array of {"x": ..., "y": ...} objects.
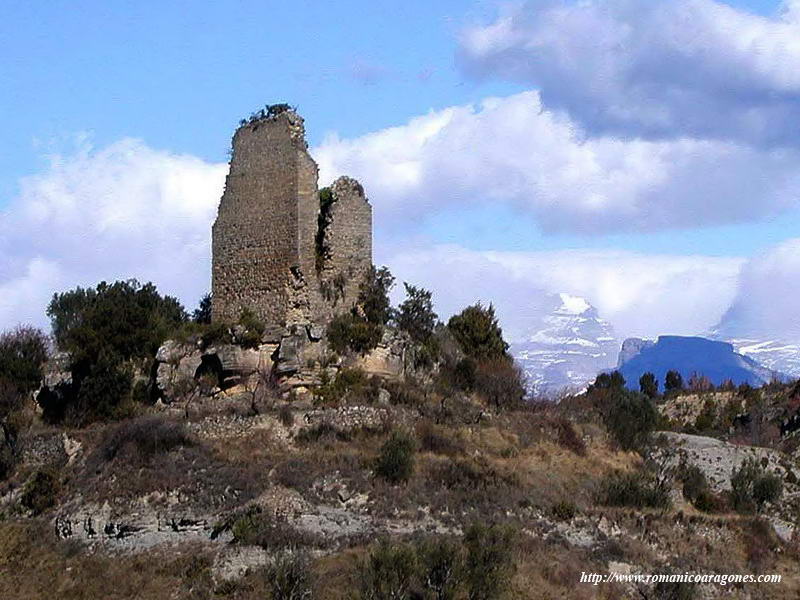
[
  {"x": 296, "y": 473},
  {"x": 139, "y": 440},
  {"x": 438, "y": 439},
  {"x": 760, "y": 543},
  {"x": 568, "y": 438}
]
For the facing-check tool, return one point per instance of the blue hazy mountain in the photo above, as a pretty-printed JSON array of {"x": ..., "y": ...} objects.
[{"x": 688, "y": 355}]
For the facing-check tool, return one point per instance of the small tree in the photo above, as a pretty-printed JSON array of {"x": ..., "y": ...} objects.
[
  {"x": 699, "y": 383},
  {"x": 648, "y": 385},
  {"x": 23, "y": 351},
  {"x": 478, "y": 332},
  {"x": 673, "y": 382},
  {"x": 415, "y": 315},
  {"x": 373, "y": 296}
]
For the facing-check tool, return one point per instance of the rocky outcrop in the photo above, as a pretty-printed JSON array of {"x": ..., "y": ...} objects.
[
  {"x": 631, "y": 348},
  {"x": 179, "y": 366}
]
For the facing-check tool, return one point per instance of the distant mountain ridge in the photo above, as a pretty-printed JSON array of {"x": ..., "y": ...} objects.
[
  {"x": 567, "y": 348},
  {"x": 689, "y": 355}
]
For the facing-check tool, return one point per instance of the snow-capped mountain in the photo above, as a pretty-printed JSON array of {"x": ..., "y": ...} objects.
[
  {"x": 768, "y": 339},
  {"x": 783, "y": 357},
  {"x": 567, "y": 347}
]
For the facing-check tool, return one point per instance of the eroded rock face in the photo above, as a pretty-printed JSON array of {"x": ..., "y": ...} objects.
[
  {"x": 138, "y": 527},
  {"x": 180, "y": 366}
]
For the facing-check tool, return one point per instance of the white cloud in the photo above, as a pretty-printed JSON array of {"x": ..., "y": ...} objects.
[
  {"x": 767, "y": 305},
  {"x": 513, "y": 150},
  {"x": 642, "y": 295},
  {"x": 697, "y": 68},
  {"x": 115, "y": 213},
  {"x": 130, "y": 211}
]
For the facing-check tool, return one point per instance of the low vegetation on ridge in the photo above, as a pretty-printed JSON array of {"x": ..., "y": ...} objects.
[{"x": 448, "y": 482}]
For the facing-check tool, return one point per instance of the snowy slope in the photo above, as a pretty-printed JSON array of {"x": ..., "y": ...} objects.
[{"x": 567, "y": 347}]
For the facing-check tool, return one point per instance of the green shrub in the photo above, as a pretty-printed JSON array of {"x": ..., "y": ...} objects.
[
  {"x": 705, "y": 420},
  {"x": 635, "y": 490},
  {"x": 217, "y": 332},
  {"x": 289, "y": 576},
  {"x": 675, "y": 591},
  {"x": 389, "y": 572},
  {"x": 630, "y": 418},
  {"x": 41, "y": 491},
  {"x": 253, "y": 329},
  {"x": 255, "y": 526},
  {"x": 348, "y": 383},
  {"x": 349, "y": 332},
  {"x": 767, "y": 488},
  {"x": 478, "y": 333},
  {"x": 564, "y": 510},
  {"x": 694, "y": 481},
  {"x": 122, "y": 320},
  {"x": 440, "y": 567},
  {"x": 697, "y": 491},
  {"x": 104, "y": 395},
  {"x": 395, "y": 463},
  {"x": 11, "y": 424},
  {"x": 489, "y": 563},
  {"x": 202, "y": 314},
  {"x": 465, "y": 374},
  {"x": 752, "y": 487}
]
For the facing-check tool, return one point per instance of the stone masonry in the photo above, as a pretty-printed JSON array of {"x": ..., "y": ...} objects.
[{"x": 275, "y": 251}]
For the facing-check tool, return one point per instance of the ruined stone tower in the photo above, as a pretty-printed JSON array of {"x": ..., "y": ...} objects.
[{"x": 279, "y": 247}]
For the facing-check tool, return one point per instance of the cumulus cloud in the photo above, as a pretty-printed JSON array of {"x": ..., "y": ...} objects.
[
  {"x": 516, "y": 151},
  {"x": 642, "y": 295},
  {"x": 767, "y": 303},
  {"x": 128, "y": 210},
  {"x": 640, "y": 68},
  {"x": 123, "y": 211}
]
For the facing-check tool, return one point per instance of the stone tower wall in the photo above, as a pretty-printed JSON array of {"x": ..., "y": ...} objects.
[
  {"x": 255, "y": 242},
  {"x": 265, "y": 239},
  {"x": 348, "y": 244}
]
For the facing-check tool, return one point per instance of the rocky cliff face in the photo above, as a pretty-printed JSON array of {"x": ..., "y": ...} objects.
[{"x": 567, "y": 348}]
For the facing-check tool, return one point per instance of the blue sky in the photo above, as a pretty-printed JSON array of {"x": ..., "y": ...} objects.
[
  {"x": 700, "y": 172},
  {"x": 179, "y": 75}
]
